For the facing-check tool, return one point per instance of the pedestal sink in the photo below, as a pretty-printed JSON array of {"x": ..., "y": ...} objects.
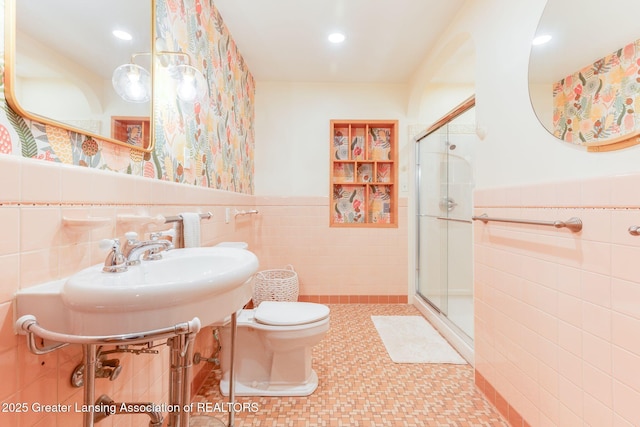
[
  {"x": 167, "y": 298},
  {"x": 209, "y": 283}
]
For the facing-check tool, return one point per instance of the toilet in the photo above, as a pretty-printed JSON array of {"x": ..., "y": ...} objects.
[
  {"x": 273, "y": 346},
  {"x": 273, "y": 349},
  {"x": 237, "y": 245}
]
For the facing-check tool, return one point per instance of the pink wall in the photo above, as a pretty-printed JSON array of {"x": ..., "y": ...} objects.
[
  {"x": 330, "y": 261},
  {"x": 36, "y": 248},
  {"x": 557, "y": 314}
]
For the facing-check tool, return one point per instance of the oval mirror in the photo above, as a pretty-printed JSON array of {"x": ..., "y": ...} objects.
[
  {"x": 60, "y": 60},
  {"x": 584, "y": 82}
]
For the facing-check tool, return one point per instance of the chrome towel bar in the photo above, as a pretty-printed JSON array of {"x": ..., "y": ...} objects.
[
  {"x": 574, "y": 224},
  {"x": 444, "y": 218},
  {"x": 178, "y": 218}
]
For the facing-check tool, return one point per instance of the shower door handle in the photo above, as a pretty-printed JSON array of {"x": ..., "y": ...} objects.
[{"x": 448, "y": 204}]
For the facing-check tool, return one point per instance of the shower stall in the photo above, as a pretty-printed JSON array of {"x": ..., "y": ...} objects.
[{"x": 444, "y": 241}]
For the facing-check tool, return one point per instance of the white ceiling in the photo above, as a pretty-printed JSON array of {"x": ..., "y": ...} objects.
[
  {"x": 286, "y": 40},
  {"x": 281, "y": 40},
  {"x": 82, "y": 30},
  {"x": 582, "y": 34}
]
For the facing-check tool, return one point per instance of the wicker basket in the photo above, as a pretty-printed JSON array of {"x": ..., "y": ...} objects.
[{"x": 275, "y": 285}]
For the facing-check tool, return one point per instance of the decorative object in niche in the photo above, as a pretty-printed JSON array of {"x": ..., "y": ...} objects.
[
  {"x": 591, "y": 70},
  {"x": 364, "y": 173}
]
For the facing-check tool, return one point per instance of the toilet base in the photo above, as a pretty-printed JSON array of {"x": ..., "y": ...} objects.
[{"x": 264, "y": 389}]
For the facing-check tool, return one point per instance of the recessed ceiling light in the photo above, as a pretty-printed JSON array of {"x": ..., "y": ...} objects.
[
  {"x": 122, "y": 35},
  {"x": 336, "y": 38},
  {"x": 542, "y": 39}
]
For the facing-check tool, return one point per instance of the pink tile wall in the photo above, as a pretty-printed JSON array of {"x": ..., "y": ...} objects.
[
  {"x": 557, "y": 314},
  {"x": 331, "y": 261},
  {"x": 35, "y": 248}
]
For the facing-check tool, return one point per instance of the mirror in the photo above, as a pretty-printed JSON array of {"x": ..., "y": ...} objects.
[
  {"x": 593, "y": 60},
  {"x": 59, "y": 60}
]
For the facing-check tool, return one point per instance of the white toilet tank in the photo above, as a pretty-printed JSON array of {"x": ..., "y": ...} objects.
[{"x": 238, "y": 245}]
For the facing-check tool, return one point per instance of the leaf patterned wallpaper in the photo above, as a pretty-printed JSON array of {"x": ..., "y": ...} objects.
[
  {"x": 209, "y": 143},
  {"x": 600, "y": 101}
]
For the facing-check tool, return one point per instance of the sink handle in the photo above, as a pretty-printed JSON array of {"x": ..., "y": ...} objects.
[
  {"x": 155, "y": 253},
  {"x": 115, "y": 261},
  {"x": 167, "y": 233},
  {"x": 132, "y": 237},
  {"x": 107, "y": 243}
]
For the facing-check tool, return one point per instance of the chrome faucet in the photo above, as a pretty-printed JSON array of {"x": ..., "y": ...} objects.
[
  {"x": 134, "y": 249},
  {"x": 115, "y": 262},
  {"x": 121, "y": 257}
]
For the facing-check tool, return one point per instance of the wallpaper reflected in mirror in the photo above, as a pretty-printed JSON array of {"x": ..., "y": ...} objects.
[{"x": 584, "y": 82}]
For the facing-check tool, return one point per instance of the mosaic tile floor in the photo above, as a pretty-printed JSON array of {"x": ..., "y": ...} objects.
[{"x": 361, "y": 387}]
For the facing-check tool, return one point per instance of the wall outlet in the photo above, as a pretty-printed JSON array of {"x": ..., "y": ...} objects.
[{"x": 404, "y": 184}]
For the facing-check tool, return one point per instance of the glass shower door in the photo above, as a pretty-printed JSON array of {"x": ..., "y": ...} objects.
[
  {"x": 432, "y": 239},
  {"x": 445, "y": 245}
]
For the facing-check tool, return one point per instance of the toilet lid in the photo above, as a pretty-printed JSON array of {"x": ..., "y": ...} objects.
[{"x": 282, "y": 313}]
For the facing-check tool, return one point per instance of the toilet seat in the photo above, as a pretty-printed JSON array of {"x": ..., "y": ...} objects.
[{"x": 289, "y": 313}]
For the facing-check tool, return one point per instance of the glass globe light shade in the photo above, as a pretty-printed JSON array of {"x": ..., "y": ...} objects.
[
  {"x": 191, "y": 84},
  {"x": 132, "y": 83}
]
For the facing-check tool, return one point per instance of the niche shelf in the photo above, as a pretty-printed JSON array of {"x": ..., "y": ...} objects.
[
  {"x": 132, "y": 130},
  {"x": 81, "y": 225},
  {"x": 363, "y": 173}
]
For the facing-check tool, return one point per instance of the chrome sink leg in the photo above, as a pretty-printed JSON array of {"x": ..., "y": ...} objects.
[
  {"x": 179, "y": 384},
  {"x": 180, "y": 337},
  {"x": 90, "y": 358},
  {"x": 232, "y": 378},
  {"x": 175, "y": 378},
  {"x": 186, "y": 358}
]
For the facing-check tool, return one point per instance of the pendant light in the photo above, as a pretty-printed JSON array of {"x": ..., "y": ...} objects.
[{"x": 132, "y": 83}]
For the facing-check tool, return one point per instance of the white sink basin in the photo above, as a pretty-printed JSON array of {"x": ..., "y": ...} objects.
[{"x": 208, "y": 283}]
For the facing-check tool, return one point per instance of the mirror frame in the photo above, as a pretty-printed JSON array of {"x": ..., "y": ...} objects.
[
  {"x": 9, "y": 82},
  {"x": 624, "y": 141}
]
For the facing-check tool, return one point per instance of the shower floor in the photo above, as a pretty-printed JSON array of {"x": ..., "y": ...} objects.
[{"x": 361, "y": 387}]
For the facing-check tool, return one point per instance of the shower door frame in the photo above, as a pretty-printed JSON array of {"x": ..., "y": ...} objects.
[{"x": 437, "y": 317}]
